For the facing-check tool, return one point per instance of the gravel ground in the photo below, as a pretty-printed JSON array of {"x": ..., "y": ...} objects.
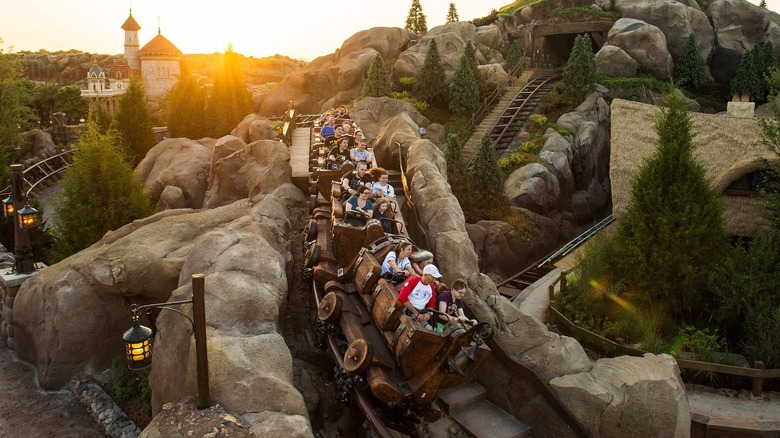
[
  {"x": 27, "y": 411},
  {"x": 725, "y": 403}
]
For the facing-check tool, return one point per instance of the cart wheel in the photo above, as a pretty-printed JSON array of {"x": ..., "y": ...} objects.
[
  {"x": 330, "y": 307},
  {"x": 312, "y": 256},
  {"x": 313, "y": 188},
  {"x": 310, "y": 232},
  {"x": 312, "y": 203},
  {"x": 358, "y": 356}
]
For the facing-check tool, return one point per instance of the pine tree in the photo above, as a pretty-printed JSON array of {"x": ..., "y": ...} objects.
[
  {"x": 452, "y": 14},
  {"x": 102, "y": 184},
  {"x": 672, "y": 206},
  {"x": 377, "y": 83},
  {"x": 753, "y": 70},
  {"x": 766, "y": 63},
  {"x": 230, "y": 99},
  {"x": 485, "y": 170},
  {"x": 464, "y": 90},
  {"x": 415, "y": 21},
  {"x": 430, "y": 85},
  {"x": 134, "y": 122},
  {"x": 185, "y": 106},
  {"x": 579, "y": 74},
  {"x": 514, "y": 57},
  {"x": 762, "y": 4},
  {"x": 691, "y": 68},
  {"x": 471, "y": 53}
]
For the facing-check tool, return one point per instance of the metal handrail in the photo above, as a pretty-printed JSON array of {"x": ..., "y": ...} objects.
[{"x": 65, "y": 160}]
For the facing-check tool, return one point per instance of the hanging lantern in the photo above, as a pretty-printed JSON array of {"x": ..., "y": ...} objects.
[
  {"x": 138, "y": 346},
  {"x": 28, "y": 217},
  {"x": 8, "y": 207}
]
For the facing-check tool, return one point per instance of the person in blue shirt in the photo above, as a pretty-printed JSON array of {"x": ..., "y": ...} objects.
[{"x": 329, "y": 128}]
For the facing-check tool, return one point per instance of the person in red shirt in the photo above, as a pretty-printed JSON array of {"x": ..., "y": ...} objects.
[{"x": 419, "y": 293}]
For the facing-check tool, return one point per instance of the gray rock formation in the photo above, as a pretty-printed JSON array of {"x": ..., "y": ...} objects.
[
  {"x": 253, "y": 128},
  {"x": 450, "y": 40},
  {"x": 613, "y": 60},
  {"x": 371, "y": 113},
  {"x": 533, "y": 187},
  {"x": 643, "y": 42}
]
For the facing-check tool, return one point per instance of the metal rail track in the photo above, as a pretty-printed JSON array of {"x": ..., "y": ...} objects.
[
  {"x": 517, "y": 112},
  {"x": 42, "y": 171}
]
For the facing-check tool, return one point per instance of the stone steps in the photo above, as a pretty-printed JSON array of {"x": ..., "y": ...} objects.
[{"x": 468, "y": 405}]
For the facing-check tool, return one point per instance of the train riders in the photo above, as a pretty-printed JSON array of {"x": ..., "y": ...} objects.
[
  {"x": 354, "y": 180},
  {"x": 360, "y": 205},
  {"x": 338, "y": 155},
  {"x": 333, "y": 140},
  {"x": 418, "y": 293},
  {"x": 396, "y": 267},
  {"x": 380, "y": 214},
  {"x": 329, "y": 128},
  {"x": 450, "y": 302}
]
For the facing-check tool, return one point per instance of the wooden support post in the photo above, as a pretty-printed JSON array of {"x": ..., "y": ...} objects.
[
  {"x": 563, "y": 281},
  {"x": 201, "y": 354},
  {"x": 758, "y": 382}
]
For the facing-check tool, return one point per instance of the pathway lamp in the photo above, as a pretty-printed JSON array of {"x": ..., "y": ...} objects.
[
  {"x": 138, "y": 338},
  {"x": 28, "y": 217},
  {"x": 25, "y": 218},
  {"x": 8, "y": 207}
]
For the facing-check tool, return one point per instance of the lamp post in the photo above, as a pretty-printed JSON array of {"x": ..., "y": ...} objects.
[
  {"x": 138, "y": 338},
  {"x": 25, "y": 218}
]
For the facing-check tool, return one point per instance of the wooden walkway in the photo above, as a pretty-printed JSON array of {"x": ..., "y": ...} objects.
[{"x": 299, "y": 158}]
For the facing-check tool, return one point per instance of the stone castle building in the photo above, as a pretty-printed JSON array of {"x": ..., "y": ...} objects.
[{"x": 157, "y": 64}]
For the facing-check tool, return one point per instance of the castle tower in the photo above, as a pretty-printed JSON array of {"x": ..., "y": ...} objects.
[
  {"x": 160, "y": 66},
  {"x": 131, "y": 28}
]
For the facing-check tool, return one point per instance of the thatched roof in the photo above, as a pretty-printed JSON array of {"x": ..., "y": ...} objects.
[{"x": 728, "y": 147}]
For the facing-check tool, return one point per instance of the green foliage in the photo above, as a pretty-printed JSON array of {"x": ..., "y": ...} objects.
[
  {"x": 407, "y": 83},
  {"x": 754, "y": 69},
  {"x": 185, "y": 107},
  {"x": 464, "y": 90},
  {"x": 378, "y": 82},
  {"x": 102, "y": 187},
  {"x": 134, "y": 122},
  {"x": 623, "y": 83},
  {"x": 517, "y": 159},
  {"x": 514, "y": 57},
  {"x": 470, "y": 52},
  {"x": 485, "y": 169},
  {"x": 14, "y": 110},
  {"x": 230, "y": 99},
  {"x": 762, "y": 4},
  {"x": 452, "y": 14},
  {"x": 487, "y": 19},
  {"x": 579, "y": 74},
  {"x": 702, "y": 343},
  {"x": 101, "y": 118},
  {"x": 584, "y": 13},
  {"x": 131, "y": 383},
  {"x": 770, "y": 137},
  {"x": 456, "y": 169},
  {"x": 671, "y": 206},
  {"x": 415, "y": 20},
  {"x": 406, "y": 97},
  {"x": 690, "y": 70},
  {"x": 430, "y": 85}
]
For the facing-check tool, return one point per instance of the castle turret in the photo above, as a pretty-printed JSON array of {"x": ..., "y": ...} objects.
[{"x": 131, "y": 28}]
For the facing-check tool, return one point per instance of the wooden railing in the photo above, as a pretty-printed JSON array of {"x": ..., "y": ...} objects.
[{"x": 758, "y": 374}]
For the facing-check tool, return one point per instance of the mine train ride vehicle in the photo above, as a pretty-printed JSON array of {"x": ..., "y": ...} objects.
[{"x": 359, "y": 316}]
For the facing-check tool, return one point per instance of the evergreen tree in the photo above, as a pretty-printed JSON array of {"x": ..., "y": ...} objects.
[
  {"x": 485, "y": 170},
  {"x": 415, "y": 21},
  {"x": 70, "y": 102},
  {"x": 514, "y": 57},
  {"x": 453, "y": 154},
  {"x": 378, "y": 82},
  {"x": 101, "y": 118},
  {"x": 134, "y": 122},
  {"x": 766, "y": 63},
  {"x": 762, "y": 4},
  {"x": 14, "y": 109},
  {"x": 691, "y": 68},
  {"x": 579, "y": 74},
  {"x": 185, "y": 105},
  {"x": 101, "y": 183},
  {"x": 672, "y": 206},
  {"x": 753, "y": 70},
  {"x": 464, "y": 90},
  {"x": 452, "y": 14},
  {"x": 430, "y": 85},
  {"x": 230, "y": 99},
  {"x": 471, "y": 54}
]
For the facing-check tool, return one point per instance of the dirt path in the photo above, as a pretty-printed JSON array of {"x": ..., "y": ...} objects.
[
  {"x": 26, "y": 411},
  {"x": 736, "y": 405}
]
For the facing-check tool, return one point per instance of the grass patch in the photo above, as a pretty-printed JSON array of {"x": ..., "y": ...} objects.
[
  {"x": 646, "y": 81},
  {"x": 583, "y": 13}
]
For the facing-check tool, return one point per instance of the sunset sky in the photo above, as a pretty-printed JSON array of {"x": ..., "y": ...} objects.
[{"x": 297, "y": 28}]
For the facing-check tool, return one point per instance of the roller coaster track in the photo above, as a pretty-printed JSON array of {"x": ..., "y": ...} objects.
[
  {"x": 515, "y": 284},
  {"x": 44, "y": 171}
]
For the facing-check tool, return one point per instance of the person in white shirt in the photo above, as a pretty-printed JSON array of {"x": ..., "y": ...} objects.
[
  {"x": 397, "y": 262},
  {"x": 380, "y": 187}
]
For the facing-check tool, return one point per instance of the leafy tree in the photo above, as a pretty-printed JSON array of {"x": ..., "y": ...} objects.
[
  {"x": 672, "y": 205},
  {"x": 691, "y": 68},
  {"x": 102, "y": 118},
  {"x": 430, "y": 85},
  {"x": 415, "y": 21},
  {"x": 770, "y": 137},
  {"x": 579, "y": 74},
  {"x": 101, "y": 183},
  {"x": 452, "y": 14},
  {"x": 464, "y": 90},
  {"x": 378, "y": 82},
  {"x": 762, "y": 4},
  {"x": 14, "y": 110},
  {"x": 754, "y": 68},
  {"x": 514, "y": 57},
  {"x": 230, "y": 99},
  {"x": 45, "y": 99},
  {"x": 485, "y": 170},
  {"x": 134, "y": 122},
  {"x": 185, "y": 106},
  {"x": 70, "y": 102}
]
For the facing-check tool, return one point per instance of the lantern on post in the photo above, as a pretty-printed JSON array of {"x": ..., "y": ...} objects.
[
  {"x": 138, "y": 345},
  {"x": 28, "y": 217},
  {"x": 8, "y": 207}
]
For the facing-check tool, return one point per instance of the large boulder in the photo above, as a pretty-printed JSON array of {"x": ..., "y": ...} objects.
[
  {"x": 645, "y": 43},
  {"x": 253, "y": 128},
  {"x": 257, "y": 168},
  {"x": 499, "y": 247},
  {"x": 613, "y": 60},
  {"x": 371, "y": 113},
  {"x": 399, "y": 130},
  {"x": 180, "y": 163},
  {"x": 615, "y": 398},
  {"x": 533, "y": 187},
  {"x": 739, "y": 26},
  {"x": 493, "y": 76},
  {"x": 38, "y": 146}
]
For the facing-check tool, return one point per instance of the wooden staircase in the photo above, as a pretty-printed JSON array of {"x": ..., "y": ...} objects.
[{"x": 468, "y": 406}]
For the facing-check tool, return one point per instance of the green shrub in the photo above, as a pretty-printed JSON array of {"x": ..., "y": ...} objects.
[
  {"x": 583, "y": 13},
  {"x": 562, "y": 130},
  {"x": 702, "y": 343},
  {"x": 516, "y": 160},
  {"x": 131, "y": 383},
  {"x": 407, "y": 83},
  {"x": 406, "y": 97},
  {"x": 539, "y": 120},
  {"x": 623, "y": 83},
  {"x": 488, "y": 19}
]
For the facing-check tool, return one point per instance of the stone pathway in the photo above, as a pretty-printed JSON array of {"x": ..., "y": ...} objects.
[{"x": 27, "y": 411}]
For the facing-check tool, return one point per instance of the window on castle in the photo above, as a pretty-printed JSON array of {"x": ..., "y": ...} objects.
[{"x": 753, "y": 183}]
